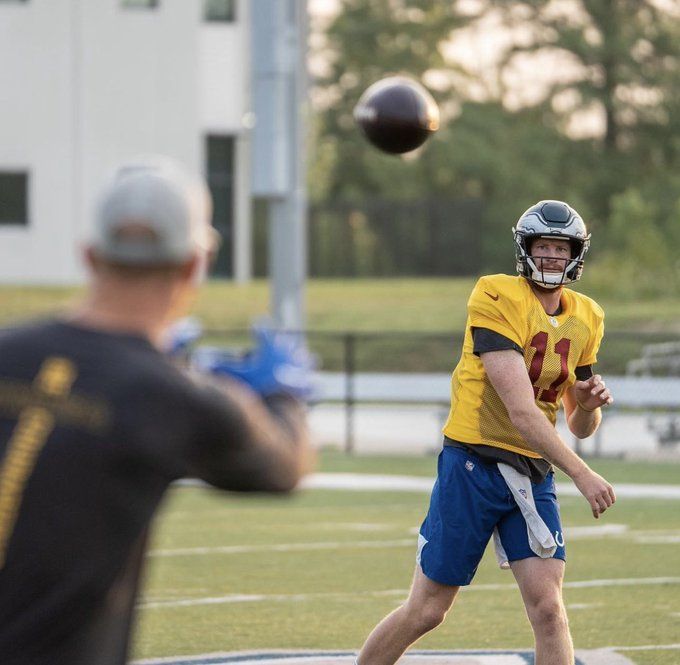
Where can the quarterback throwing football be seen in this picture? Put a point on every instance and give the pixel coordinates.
(530, 345)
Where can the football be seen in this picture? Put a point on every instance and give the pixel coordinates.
(397, 114)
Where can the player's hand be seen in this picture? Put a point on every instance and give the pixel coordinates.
(593, 393)
(597, 491)
(279, 363)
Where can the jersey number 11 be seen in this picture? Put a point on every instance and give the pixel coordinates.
(540, 343)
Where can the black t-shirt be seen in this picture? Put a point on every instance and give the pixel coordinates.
(93, 428)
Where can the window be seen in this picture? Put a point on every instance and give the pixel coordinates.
(220, 168)
(219, 10)
(13, 198)
(139, 4)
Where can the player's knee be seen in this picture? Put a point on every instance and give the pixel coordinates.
(428, 617)
(548, 615)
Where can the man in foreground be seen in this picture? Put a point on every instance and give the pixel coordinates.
(529, 346)
(95, 423)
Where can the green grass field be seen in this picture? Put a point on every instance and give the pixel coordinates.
(416, 308)
(407, 304)
(320, 568)
(343, 559)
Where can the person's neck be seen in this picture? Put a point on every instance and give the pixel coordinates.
(135, 312)
(549, 298)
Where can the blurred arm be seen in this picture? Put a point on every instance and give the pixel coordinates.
(251, 443)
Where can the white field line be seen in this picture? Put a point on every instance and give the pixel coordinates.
(601, 656)
(254, 597)
(647, 647)
(369, 482)
(289, 547)
(250, 598)
(657, 540)
(572, 533)
(374, 482)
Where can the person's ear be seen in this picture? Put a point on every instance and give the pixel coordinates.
(196, 268)
(89, 258)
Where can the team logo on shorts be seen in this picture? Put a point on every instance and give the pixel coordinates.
(469, 465)
(559, 538)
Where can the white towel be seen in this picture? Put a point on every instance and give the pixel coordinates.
(541, 540)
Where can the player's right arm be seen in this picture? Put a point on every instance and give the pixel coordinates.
(248, 443)
(508, 375)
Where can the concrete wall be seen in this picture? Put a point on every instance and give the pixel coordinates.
(85, 84)
(224, 70)
(36, 132)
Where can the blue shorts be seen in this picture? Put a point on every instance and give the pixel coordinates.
(469, 500)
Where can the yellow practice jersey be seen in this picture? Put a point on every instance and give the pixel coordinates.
(553, 346)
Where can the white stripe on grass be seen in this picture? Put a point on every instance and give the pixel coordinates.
(571, 533)
(375, 482)
(289, 547)
(252, 598)
(379, 482)
(463, 657)
(649, 647)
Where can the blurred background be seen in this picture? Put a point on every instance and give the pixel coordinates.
(371, 255)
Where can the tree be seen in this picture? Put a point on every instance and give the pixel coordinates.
(616, 60)
(620, 60)
(368, 40)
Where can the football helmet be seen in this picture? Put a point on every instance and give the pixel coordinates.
(550, 219)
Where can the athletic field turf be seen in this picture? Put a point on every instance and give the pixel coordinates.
(318, 569)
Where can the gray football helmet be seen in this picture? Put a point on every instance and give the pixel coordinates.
(551, 219)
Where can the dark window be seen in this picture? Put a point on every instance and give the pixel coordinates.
(14, 198)
(220, 167)
(219, 10)
(139, 4)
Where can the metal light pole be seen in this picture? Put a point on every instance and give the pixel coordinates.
(279, 48)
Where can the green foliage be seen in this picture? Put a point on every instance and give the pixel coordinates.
(509, 160)
(369, 40)
(641, 257)
(623, 60)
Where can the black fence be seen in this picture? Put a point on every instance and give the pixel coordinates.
(422, 352)
(345, 358)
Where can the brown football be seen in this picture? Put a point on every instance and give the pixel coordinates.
(397, 114)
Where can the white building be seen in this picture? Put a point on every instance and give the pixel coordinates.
(85, 84)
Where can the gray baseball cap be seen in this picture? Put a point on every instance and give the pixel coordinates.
(152, 213)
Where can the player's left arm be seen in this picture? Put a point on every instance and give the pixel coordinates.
(584, 400)
(582, 404)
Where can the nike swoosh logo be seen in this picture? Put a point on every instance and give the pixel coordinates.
(490, 296)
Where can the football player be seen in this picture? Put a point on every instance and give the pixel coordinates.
(530, 346)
